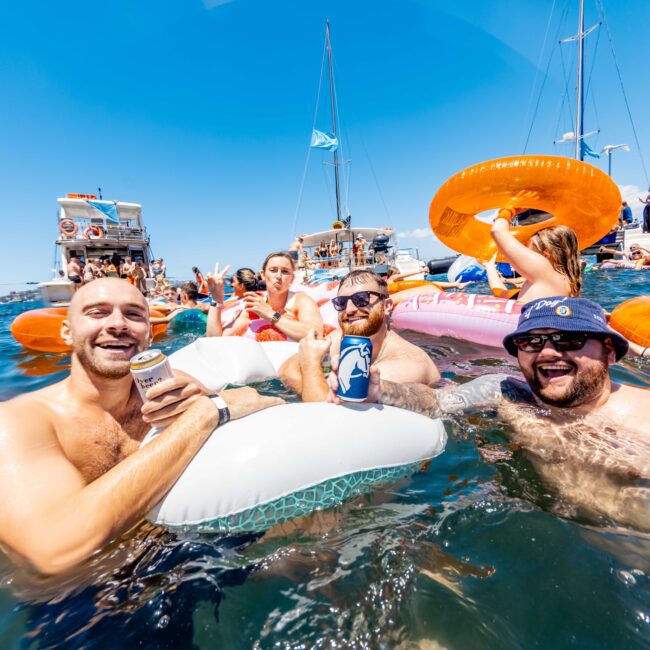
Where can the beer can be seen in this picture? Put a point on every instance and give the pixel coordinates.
(148, 369)
(354, 368)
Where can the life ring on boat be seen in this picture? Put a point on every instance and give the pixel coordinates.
(632, 319)
(289, 460)
(94, 230)
(68, 228)
(475, 318)
(40, 329)
(576, 193)
(338, 225)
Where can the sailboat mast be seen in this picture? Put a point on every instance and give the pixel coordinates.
(580, 85)
(333, 103)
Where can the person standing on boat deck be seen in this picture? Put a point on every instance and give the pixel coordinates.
(359, 249)
(74, 271)
(587, 437)
(363, 305)
(550, 263)
(292, 313)
(295, 249)
(646, 212)
(201, 284)
(73, 476)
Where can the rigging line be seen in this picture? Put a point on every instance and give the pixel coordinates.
(541, 90)
(566, 87)
(539, 64)
(589, 90)
(346, 188)
(304, 171)
(601, 10)
(374, 176)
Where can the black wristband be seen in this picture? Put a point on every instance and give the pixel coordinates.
(220, 403)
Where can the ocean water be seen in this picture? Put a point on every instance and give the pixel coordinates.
(472, 553)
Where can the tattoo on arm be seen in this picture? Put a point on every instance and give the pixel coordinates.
(482, 393)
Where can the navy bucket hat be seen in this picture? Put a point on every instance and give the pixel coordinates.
(566, 315)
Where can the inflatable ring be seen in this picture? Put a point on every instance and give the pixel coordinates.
(403, 285)
(40, 329)
(93, 230)
(68, 228)
(338, 225)
(632, 319)
(576, 193)
(289, 460)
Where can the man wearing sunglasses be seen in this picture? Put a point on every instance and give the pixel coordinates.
(588, 437)
(363, 307)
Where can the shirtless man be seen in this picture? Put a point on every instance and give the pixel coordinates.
(588, 437)
(190, 296)
(364, 309)
(74, 271)
(636, 258)
(72, 475)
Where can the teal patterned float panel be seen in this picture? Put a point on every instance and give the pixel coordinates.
(324, 495)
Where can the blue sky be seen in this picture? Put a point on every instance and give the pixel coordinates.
(202, 112)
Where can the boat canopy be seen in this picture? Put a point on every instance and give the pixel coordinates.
(344, 235)
(81, 209)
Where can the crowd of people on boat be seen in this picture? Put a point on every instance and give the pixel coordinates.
(78, 476)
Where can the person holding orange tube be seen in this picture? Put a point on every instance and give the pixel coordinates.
(550, 263)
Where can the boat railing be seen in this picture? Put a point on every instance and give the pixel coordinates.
(124, 231)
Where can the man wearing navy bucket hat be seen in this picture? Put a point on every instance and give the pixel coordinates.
(587, 436)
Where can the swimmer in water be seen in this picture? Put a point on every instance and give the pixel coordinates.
(550, 263)
(363, 306)
(73, 476)
(588, 437)
(292, 313)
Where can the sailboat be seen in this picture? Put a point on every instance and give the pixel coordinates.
(379, 244)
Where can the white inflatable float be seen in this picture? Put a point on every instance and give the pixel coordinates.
(289, 460)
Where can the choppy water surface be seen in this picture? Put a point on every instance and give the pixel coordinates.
(469, 554)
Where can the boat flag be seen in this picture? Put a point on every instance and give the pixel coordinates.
(587, 150)
(320, 140)
(107, 208)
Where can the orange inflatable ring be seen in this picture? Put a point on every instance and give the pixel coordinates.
(632, 319)
(94, 230)
(68, 228)
(40, 329)
(576, 193)
(403, 285)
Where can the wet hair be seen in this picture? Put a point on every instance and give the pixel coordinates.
(359, 276)
(191, 290)
(559, 245)
(248, 278)
(284, 254)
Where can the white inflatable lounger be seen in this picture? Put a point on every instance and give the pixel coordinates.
(288, 460)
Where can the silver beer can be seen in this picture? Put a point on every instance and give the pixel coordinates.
(148, 369)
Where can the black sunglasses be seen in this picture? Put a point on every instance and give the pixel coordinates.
(561, 341)
(359, 299)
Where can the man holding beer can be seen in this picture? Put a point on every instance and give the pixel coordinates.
(363, 305)
(74, 475)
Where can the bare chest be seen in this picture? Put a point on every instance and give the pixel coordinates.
(95, 445)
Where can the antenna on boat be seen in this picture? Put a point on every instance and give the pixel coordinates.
(333, 106)
(99, 191)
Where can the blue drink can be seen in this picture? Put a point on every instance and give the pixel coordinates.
(354, 368)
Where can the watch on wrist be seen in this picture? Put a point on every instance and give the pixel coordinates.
(214, 303)
(220, 403)
(276, 317)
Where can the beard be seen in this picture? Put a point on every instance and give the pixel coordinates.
(585, 386)
(105, 368)
(367, 327)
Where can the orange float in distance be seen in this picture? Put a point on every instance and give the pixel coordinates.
(576, 193)
(403, 285)
(40, 329)
(632, 319)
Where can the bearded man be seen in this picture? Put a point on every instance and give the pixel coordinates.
(363, 305)
(587, 436)
(72, 473)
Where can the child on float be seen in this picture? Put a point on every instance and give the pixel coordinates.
(549, 264)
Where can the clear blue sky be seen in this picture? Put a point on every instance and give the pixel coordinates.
(202, 111)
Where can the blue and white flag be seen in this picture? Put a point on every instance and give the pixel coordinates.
(321, 140)
(107, 208)
(587, 150)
